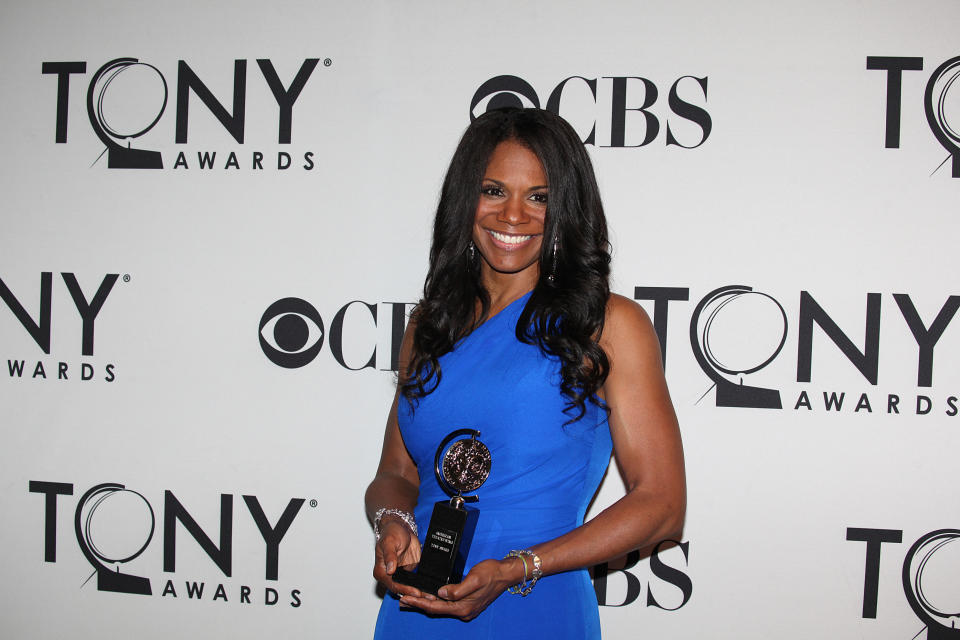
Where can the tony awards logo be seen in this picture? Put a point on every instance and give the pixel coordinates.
(734, 332)
(929, 582)
(462, 463)
(139, 84)
(99, 512)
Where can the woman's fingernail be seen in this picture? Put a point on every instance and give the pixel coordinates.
(442, 593)
(390, 567)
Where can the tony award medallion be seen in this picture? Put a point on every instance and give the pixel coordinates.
(462, 464)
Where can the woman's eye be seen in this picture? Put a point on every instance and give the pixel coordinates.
(540, 197)
(492, 191)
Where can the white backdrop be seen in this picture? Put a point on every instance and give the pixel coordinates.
(800, 519)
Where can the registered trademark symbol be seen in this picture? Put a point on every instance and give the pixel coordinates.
(126, 277)
(327, 62)
(313, 503)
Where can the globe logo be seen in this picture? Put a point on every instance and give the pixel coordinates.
(734, 332)
(930, 573)
(114, 525)
(125, 100)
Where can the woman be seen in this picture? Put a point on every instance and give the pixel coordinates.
(518, 337)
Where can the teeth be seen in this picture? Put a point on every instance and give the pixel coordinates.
(507, 239)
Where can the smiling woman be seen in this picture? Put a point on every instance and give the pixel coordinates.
(508, 229)
(517, 339)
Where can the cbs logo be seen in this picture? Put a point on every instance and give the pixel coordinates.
(624, 108)
(292, 333)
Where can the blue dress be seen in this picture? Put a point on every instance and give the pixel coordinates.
(542, 477)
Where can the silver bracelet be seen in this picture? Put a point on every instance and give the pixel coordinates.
(525, 587)
(406, 516)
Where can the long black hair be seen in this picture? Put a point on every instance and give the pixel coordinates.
(564, 317)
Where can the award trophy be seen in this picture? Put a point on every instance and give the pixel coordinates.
(460, 465)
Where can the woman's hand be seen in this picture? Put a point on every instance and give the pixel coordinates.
(397, 547)
(395, 486)
(485, 582)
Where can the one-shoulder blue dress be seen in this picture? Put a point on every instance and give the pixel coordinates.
(543, 475)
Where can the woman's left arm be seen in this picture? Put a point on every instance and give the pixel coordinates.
(648, 451)
(646, 445)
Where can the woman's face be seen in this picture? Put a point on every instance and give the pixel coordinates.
(508, 228)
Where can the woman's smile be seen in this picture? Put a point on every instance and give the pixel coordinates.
(509, 241)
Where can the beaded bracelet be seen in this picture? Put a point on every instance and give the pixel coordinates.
(525, 587)
(403, 515)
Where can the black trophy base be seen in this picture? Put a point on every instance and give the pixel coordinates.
(122, 583)
(126, 158)
(445, 548)
(409, 575)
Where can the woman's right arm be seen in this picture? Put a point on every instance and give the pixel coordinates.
(395, 486)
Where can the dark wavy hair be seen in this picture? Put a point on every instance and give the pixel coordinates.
(564, 317)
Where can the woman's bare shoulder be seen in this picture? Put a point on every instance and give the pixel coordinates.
(627, 327)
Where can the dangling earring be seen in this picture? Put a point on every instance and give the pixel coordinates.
(553, 267)
(473, 252)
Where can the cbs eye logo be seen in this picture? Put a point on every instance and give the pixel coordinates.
(291, 333)
(734, 332)
(505, 91)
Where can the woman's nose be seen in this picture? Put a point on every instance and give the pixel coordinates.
(513, 212)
